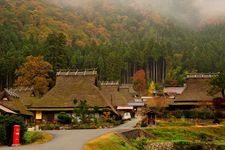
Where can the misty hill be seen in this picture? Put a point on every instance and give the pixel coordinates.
(86, 22)
(117, 36)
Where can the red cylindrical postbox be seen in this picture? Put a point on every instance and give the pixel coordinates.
(16, 135)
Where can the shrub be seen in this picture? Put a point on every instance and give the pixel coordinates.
(31, 137)
(7, 122)
(140, 143)
(2, 134)
(49, 126)
(219, 114)
(194, 113)
(64, 118)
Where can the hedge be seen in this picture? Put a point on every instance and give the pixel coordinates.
(194, 113)
(6, 128)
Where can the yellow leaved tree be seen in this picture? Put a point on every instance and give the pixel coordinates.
(34, 73)
(151, 88)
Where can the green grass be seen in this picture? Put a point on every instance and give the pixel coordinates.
(108, 142)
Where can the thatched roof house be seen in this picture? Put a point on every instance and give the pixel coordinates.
(157, 102)
(195, 92)
(26, 95)
(127, 91)
(12, 101)
(69, 89)
(111, 92)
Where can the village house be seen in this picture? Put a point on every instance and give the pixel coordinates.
(195, 93)
(127, 91)
(111, 92)
(26, 95)
(172, 92)
(70, 88)
(131, 95)
(5, 110)
(10, 103)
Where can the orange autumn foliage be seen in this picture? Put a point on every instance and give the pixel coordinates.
(34, 73)
(139, 81)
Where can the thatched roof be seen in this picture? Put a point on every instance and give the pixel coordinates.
(158, 102)
(201, 75)
(111, 93)
(6, 110)
(13, 102)
(196, 90)
(70, 88)
(90, 74)
(25, 94)
(127, 91)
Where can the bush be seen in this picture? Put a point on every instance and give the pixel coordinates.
(6, 128)
(64, 118)
(194, 113)
(49, 126)
(140, 143)
(2, 134)
(219, 114)
(206, 114)
(31, 137)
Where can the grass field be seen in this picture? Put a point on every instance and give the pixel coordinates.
(183, 132)
(110, 141)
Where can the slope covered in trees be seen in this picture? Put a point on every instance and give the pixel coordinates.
(118, 37)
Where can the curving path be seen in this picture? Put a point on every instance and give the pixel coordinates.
(72, 139)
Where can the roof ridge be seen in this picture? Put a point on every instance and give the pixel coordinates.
(76, 72)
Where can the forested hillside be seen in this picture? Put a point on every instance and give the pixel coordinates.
(118, 37)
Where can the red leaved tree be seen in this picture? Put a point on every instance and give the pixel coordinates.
(139, 81)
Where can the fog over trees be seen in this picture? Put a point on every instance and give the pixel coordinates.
(166, 38)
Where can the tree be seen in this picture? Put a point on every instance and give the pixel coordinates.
(82, 111)
(56, 50)
(34, 73)
(139, 81)
(151, 88)
(218, 84)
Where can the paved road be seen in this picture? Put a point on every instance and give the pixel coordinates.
(72, 139)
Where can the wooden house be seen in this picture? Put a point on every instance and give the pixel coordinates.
(5, 110)
(70, 88)
(127, 91)
(26, 95)
(111, 92)
(195, 94)
(10, 102)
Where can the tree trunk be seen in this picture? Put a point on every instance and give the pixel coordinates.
(147, 71)
(153, 70)
(222, 92)
(156, 71)
(128, 73)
